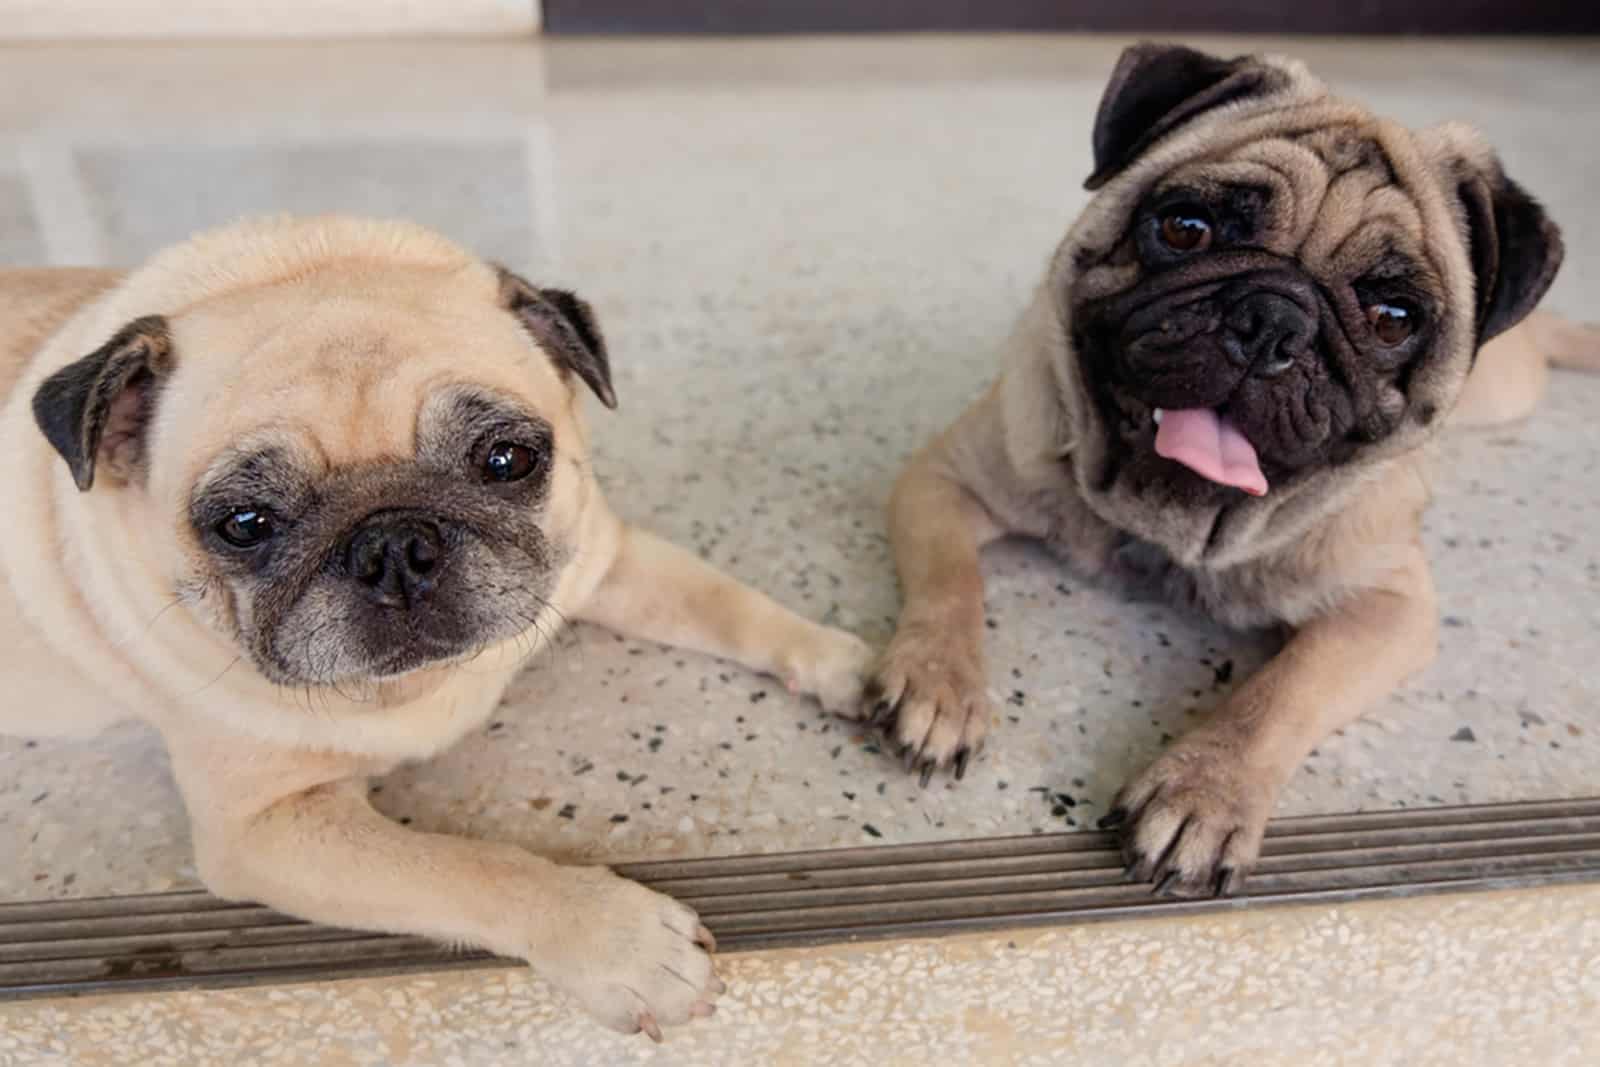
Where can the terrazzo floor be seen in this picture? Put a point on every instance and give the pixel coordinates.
(1482, 980)
(804, 254)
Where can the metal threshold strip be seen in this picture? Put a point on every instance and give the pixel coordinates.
(191, 939)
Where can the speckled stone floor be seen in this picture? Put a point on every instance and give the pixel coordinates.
(804, 254)
(1483, 980)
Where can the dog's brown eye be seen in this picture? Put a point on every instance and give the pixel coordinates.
(507, 462)
(1186, 230)
(245, 528)
(1392, 324)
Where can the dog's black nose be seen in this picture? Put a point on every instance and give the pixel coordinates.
(395, 557)
(1267, 332)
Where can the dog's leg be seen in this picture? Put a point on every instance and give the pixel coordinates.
(931, 687)
(1512, 370)
(1565, 343)
(1193, 821)
(291, 829)
(1506, 381)
(657, 591)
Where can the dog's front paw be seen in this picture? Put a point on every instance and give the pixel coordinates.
(1192, 823)
(635, 959)
(930, 695)
(832, 666)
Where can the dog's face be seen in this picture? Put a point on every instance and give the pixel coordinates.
(367, 472)
(1273, 282)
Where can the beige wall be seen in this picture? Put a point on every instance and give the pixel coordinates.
(48, 19)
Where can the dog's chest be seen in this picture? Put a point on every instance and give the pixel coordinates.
(1233, 596)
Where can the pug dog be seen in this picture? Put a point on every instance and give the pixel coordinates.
(304, 495)
(1220, 394)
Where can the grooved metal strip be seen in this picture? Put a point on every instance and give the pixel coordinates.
(191, 939)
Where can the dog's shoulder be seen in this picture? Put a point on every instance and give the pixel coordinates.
(1013, 447)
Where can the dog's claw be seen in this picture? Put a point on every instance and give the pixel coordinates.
(651, 1028)
(961, 763)
(880, 712)
(1113, 819)
(1166, 882)
(927, 773)
(890, 719)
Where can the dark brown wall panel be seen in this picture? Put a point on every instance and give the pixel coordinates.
(1124, 16)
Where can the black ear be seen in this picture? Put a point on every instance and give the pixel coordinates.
(1156, 88)
(564, 327)
(1515, 249)
(99, 407)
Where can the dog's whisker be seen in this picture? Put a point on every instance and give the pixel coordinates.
(220, 675)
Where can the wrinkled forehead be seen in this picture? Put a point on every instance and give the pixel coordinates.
(1342, 199)
(284, 457)
(344, 382)
(351, 375)
(1352, 198)
(1323, 170)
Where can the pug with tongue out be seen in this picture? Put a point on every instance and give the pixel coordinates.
(1219, 391)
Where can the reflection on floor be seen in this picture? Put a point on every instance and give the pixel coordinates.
(804, 254)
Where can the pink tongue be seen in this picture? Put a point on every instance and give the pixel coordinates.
(1211, 447)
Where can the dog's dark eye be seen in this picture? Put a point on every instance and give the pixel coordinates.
(1186, 230)
(1392, 323)
(508, 462)
(245, 528)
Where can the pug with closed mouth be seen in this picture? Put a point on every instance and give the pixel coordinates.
(304, 495)
(1219, 393)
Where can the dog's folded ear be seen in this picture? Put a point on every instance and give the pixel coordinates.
(95, 411)
(564, 326)
(1156, 88)
(1516, 250)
